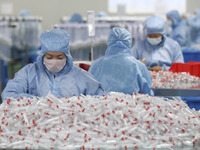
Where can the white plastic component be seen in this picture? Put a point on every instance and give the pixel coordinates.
(91, 23)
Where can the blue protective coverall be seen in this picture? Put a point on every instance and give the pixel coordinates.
(164, 54)
(118, 71)
(35, 80)
(194, 24)
(180, 30)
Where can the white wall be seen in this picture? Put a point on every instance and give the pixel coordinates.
(192, 5)
(53, 10)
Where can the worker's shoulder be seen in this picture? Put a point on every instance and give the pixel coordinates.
(98, 59)
(81, 73)
(79, 70)
(170, 42)
(30, 67)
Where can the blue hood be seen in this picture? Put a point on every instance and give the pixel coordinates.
(55, 40)
(155, 24)
(197, 11)
(24, 13)
(175, 16)
(119, 41)
(76, 18)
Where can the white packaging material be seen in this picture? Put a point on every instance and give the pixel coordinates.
(91, 23)
(115, 121)
(168, 79)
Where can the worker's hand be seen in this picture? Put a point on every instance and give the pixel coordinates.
(184, 16)
(156, 68)
(142, 60)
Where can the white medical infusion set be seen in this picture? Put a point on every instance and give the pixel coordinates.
(91, 29)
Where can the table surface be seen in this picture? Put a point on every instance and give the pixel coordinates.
(188, 92)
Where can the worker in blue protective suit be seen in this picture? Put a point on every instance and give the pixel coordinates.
(101, 14)
(24, 13)
(180, 31)
(194, 24)
(53, 72)
(158, 51)
(76, 18)
(118, 71)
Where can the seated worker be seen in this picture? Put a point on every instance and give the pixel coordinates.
(118, 71)
(52, 73)
(159, 51)
(180, 31)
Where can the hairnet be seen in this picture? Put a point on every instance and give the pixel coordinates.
(55, 40)
(155, 24)
(120, 34)
(76, 18)
(119, 41)
(175, 16)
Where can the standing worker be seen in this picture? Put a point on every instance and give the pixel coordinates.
(52, 73)
(159, 51)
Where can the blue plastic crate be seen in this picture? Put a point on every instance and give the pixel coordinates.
(191, 54)
(193, 102)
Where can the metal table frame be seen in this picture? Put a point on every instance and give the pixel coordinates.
(176, 92)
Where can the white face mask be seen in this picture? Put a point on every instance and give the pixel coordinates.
(54, 65)
(169, 23)
(154, 41)
(168, 30)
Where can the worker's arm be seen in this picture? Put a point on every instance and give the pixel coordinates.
(18, 86)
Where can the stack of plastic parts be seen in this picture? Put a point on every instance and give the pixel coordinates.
(31, 29)
(5, 48)
(80, 42)
(79, 32)
(194, 69)
(81, 52)
(26, 35)
(168, 79)
(135, 25)
(5, 40)
(191, 67)
(19, 44)
(19, 34)
(115, 121)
